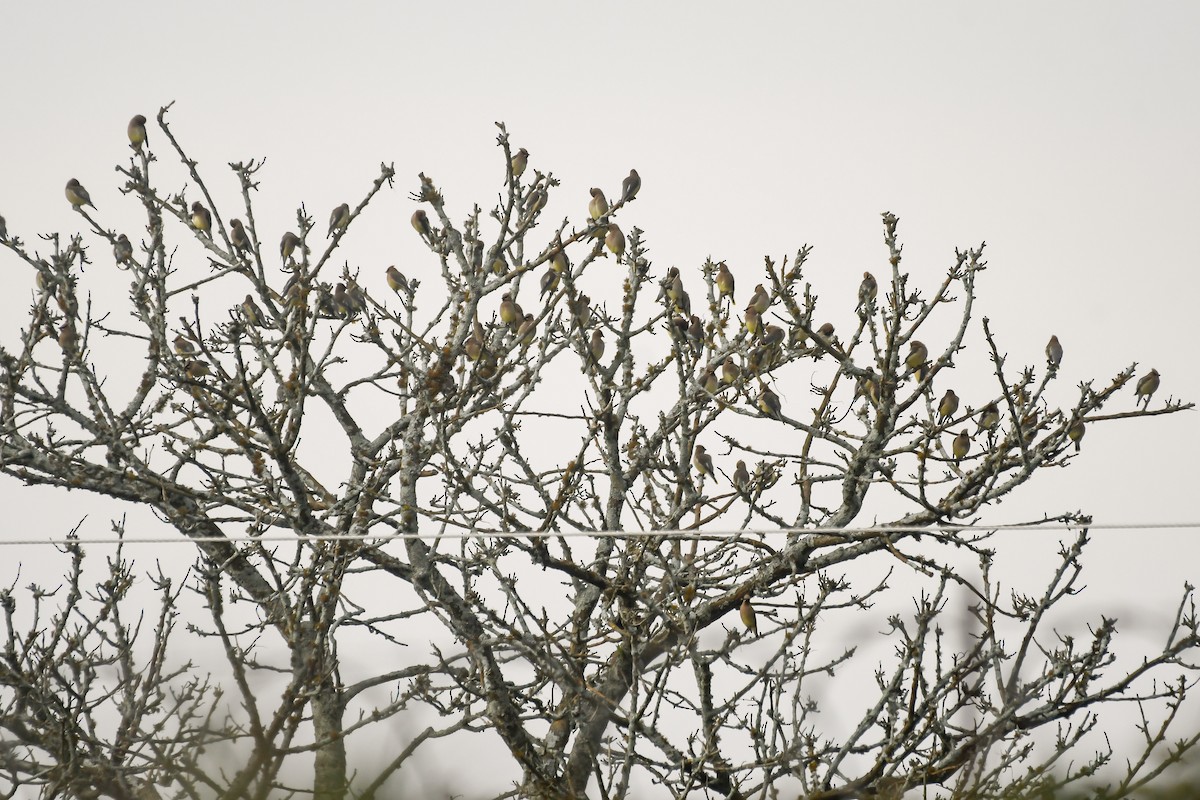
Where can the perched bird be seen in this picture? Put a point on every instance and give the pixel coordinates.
(420, 223)
(196, 370)
(396, 281)
(558, 261)
(730, 371)
(550, 282)
(989, 417)
(725, 281)
(343, 306)
(772, 335)
(536, 201)
(477, 257)
(960, 446)
(183, 346)
(684, 304)
(753, 321)
(508, 309)
(123, 250)
(695, 334)
(519, 162)
(580, 308)
(708, 382)
(473, 347)
(237, 236)
(252, 313)
(702, 461)
(596, 346)
(615, 240)
(868, 387)
(201, 218)
(527, 331)
(598, 206)
(1147, 386)
(918, 354)
(826, 331)
(1075, 432)
(741, 478)
(339, 219)
(358, 300)
(287, 245)
(1054, 352)
(137, 132)
(749, 618)
(499, 265)
(78, 196)
(67, 337)
(673, 286)
(768, 402)
(760, 301)
(631, 185)
(948, 406)
(868, 290)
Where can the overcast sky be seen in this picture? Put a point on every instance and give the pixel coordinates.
(1065, 135)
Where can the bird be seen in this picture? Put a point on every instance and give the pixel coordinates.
(473, 347)
(527, 331)
(826, 330)
(420, 223)
(508, 309)
(708, 382)
(1054, 352)
(519, 161)
(339, 219)
(753, 321)
(123, 250)
(868, 386)
(947, 406)
(67, 337)
(499, 265)
(287, 245)
(960, 446)
(1075, 432)
(918, 354)
(749, 618)
(237, 235)
(631, 185)
(558, 261)
(477, 257)
(695, 334)
(760, 301)
(989, 417)
(1147, 386)
(596, 346)
(78, 196)
(201, 218)
(703, 461)
(183, 346)
(868, 290)
(252, 313)
(343, 306)
(550, 282)
(741, 477)
(137, 132)
(536, 201)
(615, 240)
(772, 335)
(768, 401)
(580, 308)
(396, 281)
(598, 206)
(673, 285)
(196, 370)
(730, 371)
(725, 281)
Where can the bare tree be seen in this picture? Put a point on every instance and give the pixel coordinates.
(547, 479)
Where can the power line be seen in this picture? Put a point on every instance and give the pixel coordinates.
(687, 535)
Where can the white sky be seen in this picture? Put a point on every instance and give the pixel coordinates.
(1064, 136)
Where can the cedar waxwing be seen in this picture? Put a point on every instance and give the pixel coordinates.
(631, 185)
(960, 446)
(527, 331)
(536, 201)
(1054, 352)
(339, 219)
(760, 301)
(695, 334)
(749, 619)
(237, 236)
(397, 282)
(772, 336)
(78, 196)
(615, 240)
(196, 370)
(477, 257)
(768, 402)
(708, 382)
(725, 281)
(673, 286)
(684, 304)
(989, 417)
(252, 313)
(137, 132)
(558, 261)
(581, 312)
(343, 306)
(868, 290)
(703, 461)
(1029, 424)
(473, 347)
(1075, 432)
(201, 218)
(868, 387)
(420, 223)
(67, 338)
(499, 266)
(123, 250)
(596, 346)
(598, 206)
(753, 321)
(948, 406)
(183, 346)
(730, 371)
(1147, 386)
(741, 478)
(519, 162)
(918, 354)
(358, 300)
(508, 309)
(826, 330)
(288, 245)
(549, 282)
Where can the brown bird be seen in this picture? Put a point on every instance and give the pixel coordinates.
(1075, 432)
(288, 245)
(826, 331)
(550, 282)
(741, 478)
(760, 301)
(598, 206)
(960, 446)
(695, 334)
(868, 387)
(631, 185)
(196, 370)
(137, 132)
(868, 290)
(252, 313)
(708, 382)
(237, 236)
(989, 417)
(396, 281)
(1054, 352)
(753, 321)
(183, 346)
(730, 371)
(536, 201)
(769, 403)
(339, 219)
(948, 406)
(918, 354)
(123, 250)
(725, 281)
(420, 223)
(519, 162)
(703, 461)
(201, 218)
(499, 265)
(1147, 386)
(772, 335)
(558, 261)
(615, 240)
(596, 346)
(508, 309)
(78, 196)
(68, 339)
(473, 347)
(749, 618)
(527, 331)
(581, 311)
